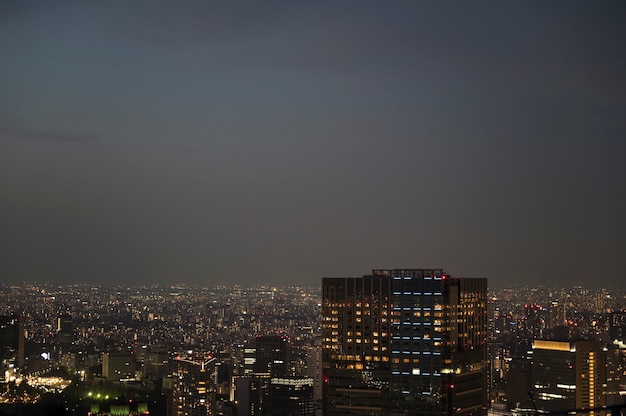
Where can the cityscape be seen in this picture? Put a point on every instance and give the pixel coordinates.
(396, 341)
(312, 208)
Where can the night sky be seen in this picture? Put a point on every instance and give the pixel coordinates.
(281, 142)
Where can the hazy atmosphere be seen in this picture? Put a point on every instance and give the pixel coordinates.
(280, 142)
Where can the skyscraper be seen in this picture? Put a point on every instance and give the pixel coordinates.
(314, 367)
(569, 375)
(272, 354)
(64, 331)
(405, 342)
(11, 343)
(118, 365)
(291, 396)
(193, 392)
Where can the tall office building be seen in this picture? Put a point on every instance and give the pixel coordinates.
(118, 366)
(617, 326)
(250, 393)
(64, 330)
(193, 387)
(291, 396)
(535, 322)
(272, 354)
(314, 367)
(264, 354)
(11, 343)
(405, 342)
(569, 375)
(156, 363)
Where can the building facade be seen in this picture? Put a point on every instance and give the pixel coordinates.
(193, 387)
(272, 354)
(291, 396)
(405, 342)
(118, 366)
(250, 393)
(569, 375)
(314, 368)
(11, 343)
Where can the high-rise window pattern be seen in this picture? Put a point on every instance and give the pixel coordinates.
(399, 341)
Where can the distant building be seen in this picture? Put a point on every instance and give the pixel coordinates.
(118, 366)
(314, 367)
(156, 364)
(272, 355)
(615, 373)
(405, 342)
(557, 316)
(535, 322)
(64, 323)
(64, 331)
(250, 393)
(617, 326)
(569, 375)
(245, 358)
(519, 383)
(11, 342)
(292, 396)
(193, 388)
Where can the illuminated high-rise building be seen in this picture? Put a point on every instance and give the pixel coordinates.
(156, 363)
(250, 393)
(64, 330)
(264, 354)
(569, 375)
(11, 342)
(272, 354)
(405, 342)
(617, 326)
(193, 387)
(291, 396)
(535, 322)
(314, 367)
(118, 366)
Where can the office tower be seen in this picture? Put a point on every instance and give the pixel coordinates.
(519, 384)
(223, 373)
(405, 342)
(569, 375)
(250, 393)
(617, 326)
(64, 330)
(291, 396)
(535, 321)
(118, 366)
(11, 343)
(193, 387)
(615, 373)
(64, 323)
(264, 354)
(557, 315)
(314, 367)
(156, 363)
(245, 358)
(272, 354)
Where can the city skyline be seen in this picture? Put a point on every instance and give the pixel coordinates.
(280, 143)
(120, 342)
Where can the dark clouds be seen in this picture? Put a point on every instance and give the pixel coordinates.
(281, 142)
